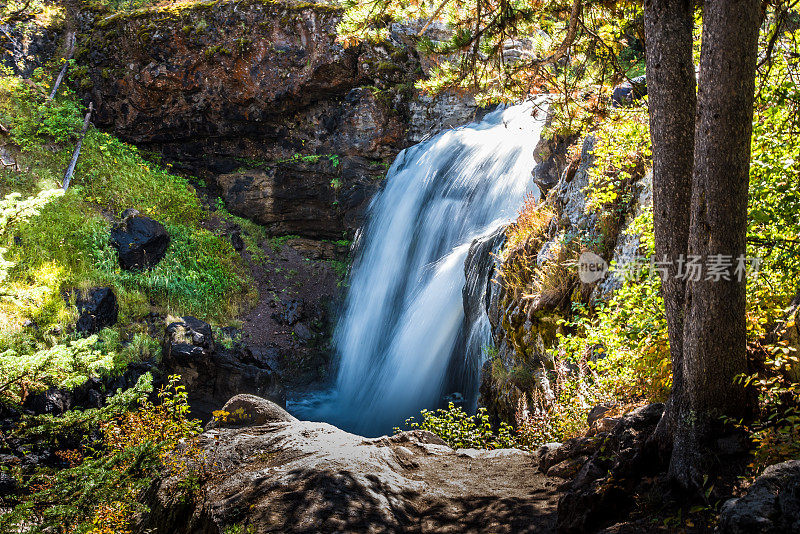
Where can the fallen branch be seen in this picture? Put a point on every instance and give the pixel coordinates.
(70, 52)
(433, 17)
(74, 161)
(14, 165)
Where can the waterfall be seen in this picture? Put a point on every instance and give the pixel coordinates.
(403, 317)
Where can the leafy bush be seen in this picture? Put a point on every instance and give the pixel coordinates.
(64, 365)
(463, 431)
(98, 492)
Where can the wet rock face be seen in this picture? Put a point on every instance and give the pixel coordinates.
(523, 329)
(299, 476)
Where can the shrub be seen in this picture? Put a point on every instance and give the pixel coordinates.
(463, 431)
(98, 493)
(64, 365)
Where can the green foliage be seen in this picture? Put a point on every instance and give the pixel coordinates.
(622, 148)
(64, 365)
(476, 57)
(776, 433)
(314, 158)
(773, 226)
(206, 285)
(53, 242)
(463, 431)
(97, 493)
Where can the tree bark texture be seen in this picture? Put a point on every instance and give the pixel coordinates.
(714, 340)
(672, 101)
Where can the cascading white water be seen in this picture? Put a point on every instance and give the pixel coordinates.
(403, 314)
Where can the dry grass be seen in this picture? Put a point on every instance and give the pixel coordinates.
(532, 222)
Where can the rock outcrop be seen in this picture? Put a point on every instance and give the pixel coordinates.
(606, 468)
(523, 329)
(298, 476)
(26, 44)
(770, 506)
(259, 99)
(211, 373)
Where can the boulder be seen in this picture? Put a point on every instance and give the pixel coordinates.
(552, 454)
(629, 92)
(600, 493)
(249, 410)
(140, 242)
(212, 374)
(187, 339)
(300, 476)
(97, 309)
(770, 506)
(290, 312)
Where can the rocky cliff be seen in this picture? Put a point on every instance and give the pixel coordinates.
(260, 100)
(536, 278)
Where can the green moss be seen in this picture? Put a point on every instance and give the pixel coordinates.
(215, 50)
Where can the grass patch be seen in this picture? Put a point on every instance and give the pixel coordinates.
(53, 242)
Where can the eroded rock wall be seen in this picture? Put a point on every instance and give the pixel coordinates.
(525, 323)
(258, 98)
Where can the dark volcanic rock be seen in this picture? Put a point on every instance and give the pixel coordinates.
(8, 484)
(551, 159)
(771, 505)
(307, 477)
(213, 375)
(140, 242)
(97, 309)
(260, 100)
(25, 47)
(291, 312)
(600, 493)
(629, 92)
(51, 402)
(187, 339)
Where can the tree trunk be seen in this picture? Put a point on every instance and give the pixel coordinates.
(672, 100)
(714, 340)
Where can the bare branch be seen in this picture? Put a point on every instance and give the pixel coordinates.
(74, 161)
